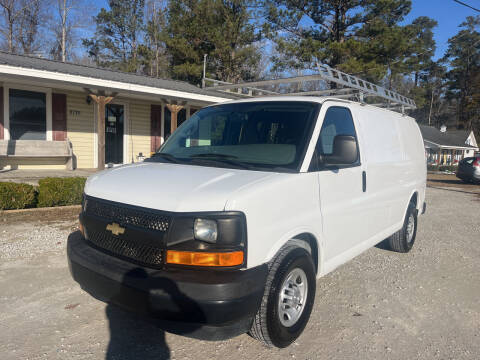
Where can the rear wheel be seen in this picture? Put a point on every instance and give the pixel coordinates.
(288, 298)
(402, 241)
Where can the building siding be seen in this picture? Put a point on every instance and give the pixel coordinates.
(80, 128)
(139, 130)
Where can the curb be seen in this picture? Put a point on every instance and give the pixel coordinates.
(43, 209)
(41, 214)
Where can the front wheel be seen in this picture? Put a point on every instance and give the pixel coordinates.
(288, 298)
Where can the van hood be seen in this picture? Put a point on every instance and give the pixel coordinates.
(171, 187)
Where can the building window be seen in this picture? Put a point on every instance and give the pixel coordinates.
(28, 115)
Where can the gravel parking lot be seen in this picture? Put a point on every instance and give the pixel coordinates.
(381, 305)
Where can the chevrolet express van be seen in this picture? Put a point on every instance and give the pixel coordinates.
(227, 227)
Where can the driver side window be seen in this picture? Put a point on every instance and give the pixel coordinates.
(338, 121)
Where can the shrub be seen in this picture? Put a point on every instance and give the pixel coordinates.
(17, 196)
(60, 191)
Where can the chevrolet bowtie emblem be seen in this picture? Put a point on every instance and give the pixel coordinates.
(115, 229)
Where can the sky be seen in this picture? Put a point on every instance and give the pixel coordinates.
(448, 14)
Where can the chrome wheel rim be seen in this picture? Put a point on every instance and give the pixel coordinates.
(410, 228)
(292, 298)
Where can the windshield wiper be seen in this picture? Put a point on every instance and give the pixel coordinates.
(165, 156)
(221, 159)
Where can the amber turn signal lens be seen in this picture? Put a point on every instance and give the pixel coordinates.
(194, 258)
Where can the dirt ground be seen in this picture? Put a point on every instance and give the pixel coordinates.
(381, 305)
(452, 182)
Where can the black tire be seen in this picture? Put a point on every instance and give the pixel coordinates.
(267, 326)
(399, 241)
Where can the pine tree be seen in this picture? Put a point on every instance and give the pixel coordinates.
(463, 57)
(362, 37)
(118, 35)
(220, 29)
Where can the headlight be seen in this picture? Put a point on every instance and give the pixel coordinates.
(205, 230)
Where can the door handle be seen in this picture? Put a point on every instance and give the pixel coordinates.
(364, 181)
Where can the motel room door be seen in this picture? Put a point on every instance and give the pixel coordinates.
(114, 124)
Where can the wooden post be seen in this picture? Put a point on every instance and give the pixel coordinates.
(101, 101)
(174, 110)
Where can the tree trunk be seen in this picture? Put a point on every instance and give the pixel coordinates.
(10, 34)
(156, 61)
(430, 112)
(64, 31)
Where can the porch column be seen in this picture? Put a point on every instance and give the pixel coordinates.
(174, 110)
(101, 101)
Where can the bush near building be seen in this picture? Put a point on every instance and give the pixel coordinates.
(60, 191)
(17, 196)
(49, 192)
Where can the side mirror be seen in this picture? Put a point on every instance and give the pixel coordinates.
(345, 151)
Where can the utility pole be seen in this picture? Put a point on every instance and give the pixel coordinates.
(204, 70)
(431, 105)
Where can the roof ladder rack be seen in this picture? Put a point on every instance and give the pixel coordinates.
(350, 87)
(364, 87)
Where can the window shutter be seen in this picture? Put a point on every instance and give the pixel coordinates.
(59, 117)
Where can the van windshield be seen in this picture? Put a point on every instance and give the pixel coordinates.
(257, 135)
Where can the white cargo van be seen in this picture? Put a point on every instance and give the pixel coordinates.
(227, 227)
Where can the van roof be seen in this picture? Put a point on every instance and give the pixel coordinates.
(316, 99)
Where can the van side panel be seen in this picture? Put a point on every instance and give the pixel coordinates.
(414, 153)
(395, 166)
(384, 163)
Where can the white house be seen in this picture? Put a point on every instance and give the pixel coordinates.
(447, 147)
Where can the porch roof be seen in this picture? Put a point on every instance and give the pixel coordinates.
(77, 77)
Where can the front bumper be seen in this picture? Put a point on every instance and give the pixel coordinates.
(205, 304)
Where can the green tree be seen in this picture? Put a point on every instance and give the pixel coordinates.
(118, 35)
(463, 58)
(429, 95)
(422, 47)
(357, 36)
(339, 33)
(221, 29)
